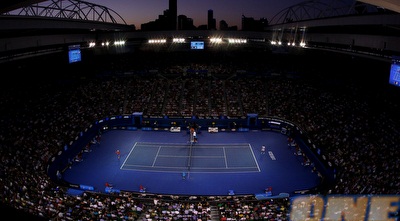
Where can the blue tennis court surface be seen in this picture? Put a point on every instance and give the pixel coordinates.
(191, 158)
(218, 162)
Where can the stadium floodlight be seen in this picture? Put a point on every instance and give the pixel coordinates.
(105, 43)
(216, 40)
(119, 42)
(237, 41)
(178, 40)
(157, 41)
(276, 42)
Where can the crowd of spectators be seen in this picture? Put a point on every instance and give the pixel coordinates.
(39, 119)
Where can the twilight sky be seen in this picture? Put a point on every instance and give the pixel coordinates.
(138, 12)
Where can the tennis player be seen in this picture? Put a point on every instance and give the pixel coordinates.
(118, 154)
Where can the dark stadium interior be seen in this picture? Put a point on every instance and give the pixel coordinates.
(334, 99)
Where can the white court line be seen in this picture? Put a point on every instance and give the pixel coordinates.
(162, 145)
(226, 161)
(182, 168)
(155, 158)
(127, 157)
(254, 158)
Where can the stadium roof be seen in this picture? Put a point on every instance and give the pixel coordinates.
(9, 5)
(393, 5)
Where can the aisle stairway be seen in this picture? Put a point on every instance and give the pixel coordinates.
(214, 213)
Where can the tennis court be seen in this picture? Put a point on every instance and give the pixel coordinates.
(189, 157)
(218, 162)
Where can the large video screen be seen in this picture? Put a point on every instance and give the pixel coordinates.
(394, 77)
(74, 54)
(197, 45)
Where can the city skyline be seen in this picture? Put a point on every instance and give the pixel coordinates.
(143, 11)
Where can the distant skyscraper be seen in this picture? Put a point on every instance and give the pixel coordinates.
(211, 22)
(185, 23)
(173, 13)
(250, 24)
(166, 21)
(223, 25)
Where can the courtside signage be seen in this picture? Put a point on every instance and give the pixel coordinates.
(345, 208)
